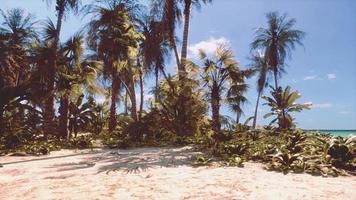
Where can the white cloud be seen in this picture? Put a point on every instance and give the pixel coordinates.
(322, 105)
(331, 76)
(100, 99)
(345, 112)
(308, 103)
(318, 105)
(313, 77)
(209, 46)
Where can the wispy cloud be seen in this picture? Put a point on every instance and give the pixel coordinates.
(319, 105)
(209, 46)
(345, 112)
(313, 77)
(331, 76)
(322, 105)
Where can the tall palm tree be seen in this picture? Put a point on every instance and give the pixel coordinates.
(260, 65)
(170, 13)
(62, 8)
(188, 4)
(153, 48)
(277, 41)
(112, 36)
(221, 73)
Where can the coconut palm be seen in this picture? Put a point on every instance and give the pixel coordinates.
(112, 36)
(153, 48)
(277, 41)
(188, 4)
(282, 103)
(62, 8)
(170, 12)
(260, 65)
(221, 73)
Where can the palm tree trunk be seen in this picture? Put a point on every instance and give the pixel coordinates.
(174, 46)
(275, 79)
(215, 107)
(132, 96)
(115, 85)
(181, 67)
(237, 118)
(157, 84)
(126, 102)
(256, 108)
(49, 126)
(2, 124)
(63, 119)
(141, 95)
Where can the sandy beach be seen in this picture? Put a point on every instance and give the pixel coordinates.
(155, 173)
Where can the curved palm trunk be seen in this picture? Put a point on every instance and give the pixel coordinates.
(132, 96)
(181, 68)
(174, 46)
(256, 108)
(115, 85)
(63, 119)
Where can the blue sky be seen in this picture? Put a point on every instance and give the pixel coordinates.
(324, 71)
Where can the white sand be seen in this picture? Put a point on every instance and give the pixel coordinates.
(155, 173)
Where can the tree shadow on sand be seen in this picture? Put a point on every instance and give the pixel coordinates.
(142, 159)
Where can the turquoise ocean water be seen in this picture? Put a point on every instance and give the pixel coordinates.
(343, 133)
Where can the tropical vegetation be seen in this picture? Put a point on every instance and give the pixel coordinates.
(92, 88)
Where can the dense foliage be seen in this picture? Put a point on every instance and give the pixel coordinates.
(50, 89)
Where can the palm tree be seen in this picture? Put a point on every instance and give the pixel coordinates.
(170, 13)
(221, 73)
(260, 65)
(153, 48)
(277, 41)
(112, 36)
(81, 114)
(62, 8)
(282, 103)
(17, 32)
(188, 4)
(75, 74)
(236, 99)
